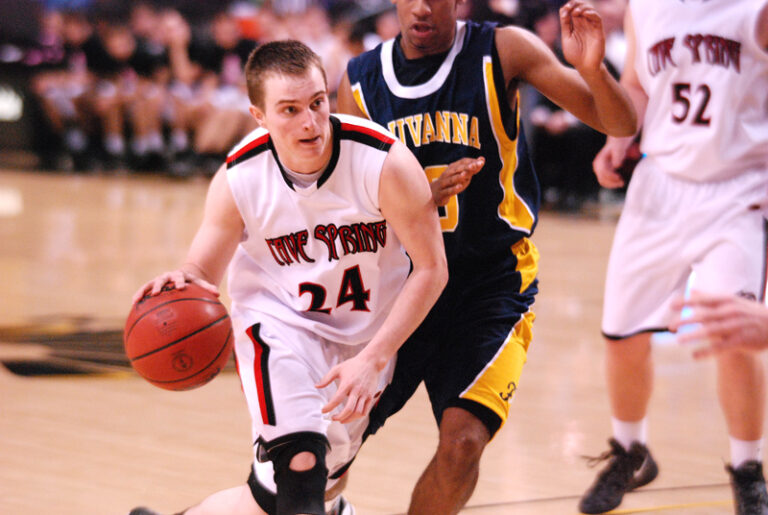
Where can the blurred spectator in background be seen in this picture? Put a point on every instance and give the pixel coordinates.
(59, 84)
(209, 97)
(158, 84)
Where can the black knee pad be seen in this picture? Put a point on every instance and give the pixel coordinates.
(298, 491)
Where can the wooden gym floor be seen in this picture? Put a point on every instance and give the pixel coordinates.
(81, 434)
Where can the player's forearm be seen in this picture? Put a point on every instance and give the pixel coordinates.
(614, 108)
(419, 294)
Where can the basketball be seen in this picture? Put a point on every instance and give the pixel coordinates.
(178, 339)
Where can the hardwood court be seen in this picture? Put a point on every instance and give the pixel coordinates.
(82, 434)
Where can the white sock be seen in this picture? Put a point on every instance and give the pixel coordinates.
(139, 145)
(114, 144)
(76, 140)
(745, 450)
(179, 140)
(627, 432)
(155, 142)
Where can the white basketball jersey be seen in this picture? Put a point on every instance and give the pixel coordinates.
(707, 82)
(320, 258)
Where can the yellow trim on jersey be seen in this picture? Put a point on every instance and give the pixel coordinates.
(357, 94)
(513, 208)
(527, 261)
(496, 384)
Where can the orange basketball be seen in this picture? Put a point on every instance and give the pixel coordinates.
(179, 339)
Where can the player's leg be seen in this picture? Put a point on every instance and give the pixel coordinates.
(483, 349)
(646, 269)
(629, 381)
(455, 467)
(301, 456)
(737, 265)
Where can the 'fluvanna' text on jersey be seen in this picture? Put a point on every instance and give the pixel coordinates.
(338, 240)
(438, 127)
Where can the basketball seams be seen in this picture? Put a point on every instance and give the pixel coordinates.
(204, 369)
(185, 299)
(189, 335)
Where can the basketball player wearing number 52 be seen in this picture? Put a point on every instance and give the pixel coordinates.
(697, 72)
(314, 215)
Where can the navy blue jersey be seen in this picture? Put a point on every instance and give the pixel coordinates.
(453, 106)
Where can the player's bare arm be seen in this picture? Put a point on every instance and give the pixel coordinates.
(588, 90)
(407, 205)
(213, 244)
(762, 27)
(612, 155)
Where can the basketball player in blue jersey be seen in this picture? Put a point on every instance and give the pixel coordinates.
(693, 219)
(328, 230)
(449, 90)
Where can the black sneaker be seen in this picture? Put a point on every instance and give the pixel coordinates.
(626, 470)
(748, 483)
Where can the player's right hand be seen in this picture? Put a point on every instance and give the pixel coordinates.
(177, 278)
(455, 179)
(609, 159)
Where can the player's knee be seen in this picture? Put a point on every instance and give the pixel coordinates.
(302, 461)
(300, 473)
(461, 450)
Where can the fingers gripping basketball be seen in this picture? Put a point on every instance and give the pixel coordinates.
(179, 339)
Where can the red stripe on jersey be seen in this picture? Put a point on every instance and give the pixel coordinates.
(250, 146)
(368, 131)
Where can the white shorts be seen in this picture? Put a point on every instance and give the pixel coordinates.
(670, 227)
(279, 366)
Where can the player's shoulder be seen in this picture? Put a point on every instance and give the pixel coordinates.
(251, 145)
(364, 131)
(365, 63)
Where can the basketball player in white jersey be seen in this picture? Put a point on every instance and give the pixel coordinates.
(314, 215)
(697, 72)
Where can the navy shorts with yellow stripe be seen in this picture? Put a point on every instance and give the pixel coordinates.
(471, 348)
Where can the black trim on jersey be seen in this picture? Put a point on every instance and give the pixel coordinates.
(487, 416)
(266, 386)
(253, 152)
(335, 136)
(616, 337)
(367, 139)
(342, 470)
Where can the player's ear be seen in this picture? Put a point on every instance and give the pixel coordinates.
(257, 113)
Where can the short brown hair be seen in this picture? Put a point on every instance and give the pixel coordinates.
(288, 57)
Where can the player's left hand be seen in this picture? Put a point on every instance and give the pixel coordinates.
(455, 178)
(357, 380)
(583, 37)
(726, 323)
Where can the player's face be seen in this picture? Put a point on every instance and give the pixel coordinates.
(296, 114)
(427, 26)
